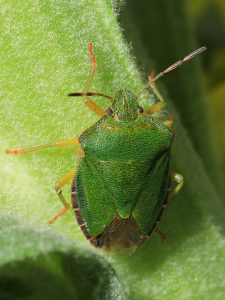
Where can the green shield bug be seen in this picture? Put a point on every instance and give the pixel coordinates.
(122, 183)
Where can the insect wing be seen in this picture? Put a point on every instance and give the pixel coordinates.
(153, 196)
(94, 201)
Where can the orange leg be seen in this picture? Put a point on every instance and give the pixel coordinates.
(60, 183)
(57, 144)
(93, 66)
(90, 104)
(94, 107)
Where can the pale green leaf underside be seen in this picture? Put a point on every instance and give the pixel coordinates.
(36, 263)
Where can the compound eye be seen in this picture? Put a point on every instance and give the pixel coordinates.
(140, 110)
(109, 111)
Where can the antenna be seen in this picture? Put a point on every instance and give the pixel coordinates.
(173, 67)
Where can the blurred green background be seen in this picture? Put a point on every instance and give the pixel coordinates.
(207, 20)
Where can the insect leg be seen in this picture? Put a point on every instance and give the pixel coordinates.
(51, 145)
(60, 183)
(155, 108)
(169, 121)
(160, 101)
(90, 104)
(154, 87)
(93, 66)
(160, 233)
(160, 104)
(94, 107)
(179, 180)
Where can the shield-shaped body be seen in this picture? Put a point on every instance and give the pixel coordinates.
(122, 181)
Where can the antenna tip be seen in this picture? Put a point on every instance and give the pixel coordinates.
(194, 53)
(200, 50)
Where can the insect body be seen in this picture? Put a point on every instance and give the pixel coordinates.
(126, 162)
(122, 183)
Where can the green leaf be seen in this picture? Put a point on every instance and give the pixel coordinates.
(218, 110)
(36, 263)
(44, 57)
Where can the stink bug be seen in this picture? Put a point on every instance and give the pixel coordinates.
(122, 183)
